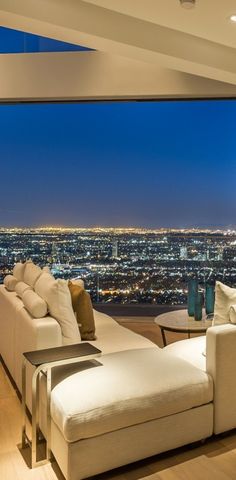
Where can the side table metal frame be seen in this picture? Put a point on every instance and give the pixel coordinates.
(187, 331)
(44, 369)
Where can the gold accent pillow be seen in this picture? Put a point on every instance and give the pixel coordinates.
(82, 306)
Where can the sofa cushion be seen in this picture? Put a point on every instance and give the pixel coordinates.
(192, 350)
(112, 337)
(82, 306)
(35, 305)
(18, 271)
(31, 273)
(21, 287)
(57, 296)
(130, 387)
(224, 297)
(232, 314)
(10, 282)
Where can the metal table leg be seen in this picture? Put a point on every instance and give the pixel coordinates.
(23, 433)
(163, 337)
(48, 439)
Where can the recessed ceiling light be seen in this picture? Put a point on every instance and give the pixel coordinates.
(233, 18)
(187, 3)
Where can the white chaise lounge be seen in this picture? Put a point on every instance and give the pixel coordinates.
(142, 400)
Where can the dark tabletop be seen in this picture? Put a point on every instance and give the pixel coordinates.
(38, 357)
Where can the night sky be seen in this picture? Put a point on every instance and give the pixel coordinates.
(150, 164)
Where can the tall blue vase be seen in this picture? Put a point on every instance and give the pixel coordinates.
(209, 299)
(198, 306)
(192, 293)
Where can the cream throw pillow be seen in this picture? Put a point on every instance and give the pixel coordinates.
(225, 297)
(18, 271)
(10, 282)
(31, 273)
(46, 269)
(35, 305)
(57, 295)
(21, 287)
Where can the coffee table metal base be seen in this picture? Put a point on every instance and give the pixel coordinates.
(178, 322)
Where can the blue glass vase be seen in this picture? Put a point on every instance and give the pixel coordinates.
(192, 292)
(198, 306)
(209, 299)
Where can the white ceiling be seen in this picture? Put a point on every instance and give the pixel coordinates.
(200, 42)
(209, 19)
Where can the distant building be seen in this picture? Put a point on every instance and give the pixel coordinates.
(54, 253)
(183, 253)
(229, 253)
(114, 249)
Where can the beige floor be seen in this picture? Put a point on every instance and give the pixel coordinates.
(215, 460)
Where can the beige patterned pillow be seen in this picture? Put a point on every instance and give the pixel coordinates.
(224, 297)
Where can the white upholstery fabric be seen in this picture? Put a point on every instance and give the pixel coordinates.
(57, 295)
(95, 455)
(220, 364)
(18, 271)
(33, 334)
(19, 333)
(21, 288)
(130, 387)
(10, 282)
(31, 273)
(192, 350)
(46, 269)
(232, 314)
(35, 305)
(224, 297)
(112, 337)
(9, 307)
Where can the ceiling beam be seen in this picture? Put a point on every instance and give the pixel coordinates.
(78, 22)
(97, 76)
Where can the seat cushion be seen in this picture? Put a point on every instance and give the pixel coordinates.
(130, 387)
(192, 350)
(112, 337)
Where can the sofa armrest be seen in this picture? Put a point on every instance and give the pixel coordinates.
(33, 334)
(220, 364)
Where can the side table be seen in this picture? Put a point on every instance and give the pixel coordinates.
(44, 361)
(178, 321)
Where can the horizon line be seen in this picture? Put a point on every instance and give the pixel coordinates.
(119, 228)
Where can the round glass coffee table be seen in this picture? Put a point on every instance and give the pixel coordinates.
(178, 321)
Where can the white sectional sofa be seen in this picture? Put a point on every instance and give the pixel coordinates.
(141, 401)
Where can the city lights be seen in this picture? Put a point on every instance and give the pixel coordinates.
(126, 265)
